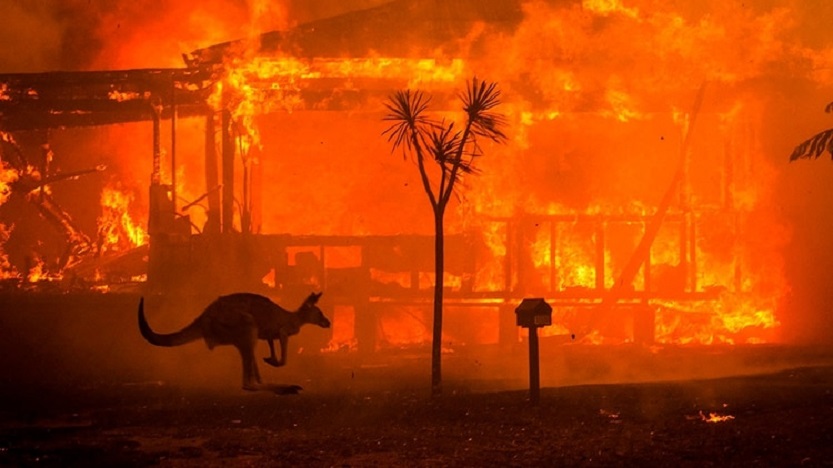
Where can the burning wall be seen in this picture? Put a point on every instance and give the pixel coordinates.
(601, 100)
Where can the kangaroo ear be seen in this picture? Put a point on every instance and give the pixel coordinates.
(313, 298)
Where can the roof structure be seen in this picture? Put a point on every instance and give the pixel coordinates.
(402, 28)
(30, 101)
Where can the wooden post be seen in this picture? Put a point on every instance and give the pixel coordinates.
(534, 368)
(155, 176)
(173, 145)
(228, 172)
(212, 176)
(531, 314)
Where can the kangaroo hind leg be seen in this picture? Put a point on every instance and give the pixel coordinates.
(251, 374)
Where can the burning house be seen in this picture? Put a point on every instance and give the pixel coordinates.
(632, 194)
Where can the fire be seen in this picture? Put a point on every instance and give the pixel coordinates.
(260, 85)
(117, 229)
(121, 96)
(6, 269)
(36, 272)
(7, 177)
(622, 104)
(598, 93)
(343, 338)
(607, 7)
(715, 417)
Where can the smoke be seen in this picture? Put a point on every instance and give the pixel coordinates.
(82, 35)
(35, 24)
(78, 35)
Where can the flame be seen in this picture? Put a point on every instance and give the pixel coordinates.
(403, 326)
(608, 7)
(117, 229)
(715, 417)
(262, 85)
(343, 338)
(622, 104)
(122, 96)
(39, 272)
(597, 96)
(7, 271)
(7, 177)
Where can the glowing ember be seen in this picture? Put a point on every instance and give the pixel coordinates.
(715, 417)
(125, 96)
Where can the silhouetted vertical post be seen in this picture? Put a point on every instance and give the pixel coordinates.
(228, 171)
(531, 314)
(155, 175)
(534, 368)
(173, 145)
(212, 176)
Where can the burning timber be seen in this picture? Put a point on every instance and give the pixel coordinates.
(676, 271)
(381, 272)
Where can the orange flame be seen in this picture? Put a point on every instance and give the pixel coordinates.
(117, 229)
(586, 88)
(715, 417)
(7, 271)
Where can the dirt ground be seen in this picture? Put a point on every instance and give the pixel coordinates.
(79, 387)
(776, 419)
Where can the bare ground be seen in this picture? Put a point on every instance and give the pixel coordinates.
(776, 419)
(79, 387)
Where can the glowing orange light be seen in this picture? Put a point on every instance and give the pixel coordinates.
(715, 417)
(117, 229)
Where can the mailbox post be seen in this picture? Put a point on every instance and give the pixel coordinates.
(532, 314)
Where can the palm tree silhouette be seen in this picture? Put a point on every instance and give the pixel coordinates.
(813, 147)
(454, 151)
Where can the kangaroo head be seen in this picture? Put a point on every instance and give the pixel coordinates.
(311, 313)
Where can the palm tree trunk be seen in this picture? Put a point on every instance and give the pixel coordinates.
(437, 337)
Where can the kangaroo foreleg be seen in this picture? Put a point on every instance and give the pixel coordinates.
(284, 341)
(272, 360)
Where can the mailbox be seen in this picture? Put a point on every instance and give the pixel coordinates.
(533, 313)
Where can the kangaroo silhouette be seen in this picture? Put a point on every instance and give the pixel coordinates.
(240, 320)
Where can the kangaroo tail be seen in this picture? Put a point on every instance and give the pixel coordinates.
(186, 335)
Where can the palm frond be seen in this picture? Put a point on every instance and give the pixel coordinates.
(479, 98)
(829, 108)
(814, 147)
(406, 110)
(444, 143)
